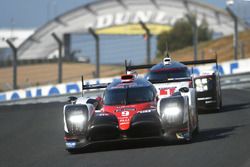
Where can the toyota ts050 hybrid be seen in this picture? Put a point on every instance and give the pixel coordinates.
(129, 109)
(168, 76)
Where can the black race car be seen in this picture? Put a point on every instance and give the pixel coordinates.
(208, 91)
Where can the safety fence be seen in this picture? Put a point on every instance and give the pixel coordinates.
(234, 74)
(238, 81)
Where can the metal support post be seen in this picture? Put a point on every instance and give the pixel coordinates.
(97, 40)
(147, 30)
(192, 20)
(195, 41)
(236, 37)
(60, 47)
(14, 64)
(67, 48)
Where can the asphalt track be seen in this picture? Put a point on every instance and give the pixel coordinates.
(32, 135)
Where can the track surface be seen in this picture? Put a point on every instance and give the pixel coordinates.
(32, 135)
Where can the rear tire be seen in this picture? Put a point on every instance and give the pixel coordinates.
(220, 104)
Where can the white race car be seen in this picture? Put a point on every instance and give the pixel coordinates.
(169, 76)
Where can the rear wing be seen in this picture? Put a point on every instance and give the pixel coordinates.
(137, 67)
(188, 79)
(93, 86)
(148, 66)
(199, 62)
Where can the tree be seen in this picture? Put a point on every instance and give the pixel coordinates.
(181, 36)
(204, 33)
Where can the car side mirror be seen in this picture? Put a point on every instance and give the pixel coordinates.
(157, 98)
(184, 89)
(72, 99)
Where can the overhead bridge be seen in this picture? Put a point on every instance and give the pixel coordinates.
(121, 17)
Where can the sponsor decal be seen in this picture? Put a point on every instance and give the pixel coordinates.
(168, 91)
(124, 120)
(134, 29)
(119, 109)
(50, 90)
(126, 18)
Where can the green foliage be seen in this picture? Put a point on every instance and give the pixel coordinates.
(204, 33)
(181, 36)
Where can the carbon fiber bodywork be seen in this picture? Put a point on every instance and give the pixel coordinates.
(105, 127)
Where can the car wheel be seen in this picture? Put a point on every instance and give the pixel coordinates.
(190, 133)
(218, 109)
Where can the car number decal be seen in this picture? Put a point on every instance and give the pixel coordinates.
(125, 113)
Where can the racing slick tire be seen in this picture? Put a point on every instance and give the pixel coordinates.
(220, 105)
(190, 133)
(197, 129)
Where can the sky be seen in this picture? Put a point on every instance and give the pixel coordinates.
(35, 13)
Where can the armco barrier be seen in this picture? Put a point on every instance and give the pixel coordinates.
(227, 68)
(48, 90)
(239, 81)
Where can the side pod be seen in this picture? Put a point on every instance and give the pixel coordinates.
(174, 112)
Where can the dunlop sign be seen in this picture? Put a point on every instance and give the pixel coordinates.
(130, 18)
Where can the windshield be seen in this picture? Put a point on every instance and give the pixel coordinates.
(126, 96)
(161, 75)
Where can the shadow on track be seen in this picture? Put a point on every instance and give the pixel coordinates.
(215, 133)
(203, 136)
(226, 108)
(120, 145)
(235, 107)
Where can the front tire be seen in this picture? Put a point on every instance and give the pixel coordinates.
(190, 132)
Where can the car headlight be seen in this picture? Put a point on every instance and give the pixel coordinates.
(172, 111)
(201, 85)
(77, 118)
(204, 81)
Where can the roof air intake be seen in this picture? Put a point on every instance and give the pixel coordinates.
(127, 78)
(167, 61)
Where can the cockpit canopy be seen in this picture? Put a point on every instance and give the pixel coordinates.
(162, 72)
(127, 93)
